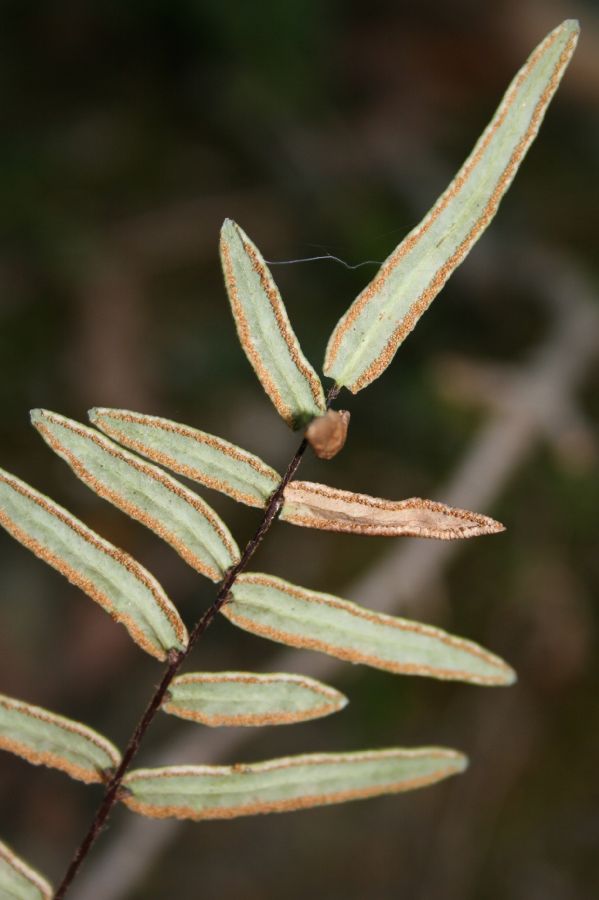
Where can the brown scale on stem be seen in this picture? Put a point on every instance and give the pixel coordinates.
(327, 434)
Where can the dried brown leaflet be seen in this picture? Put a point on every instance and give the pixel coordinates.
(319, 506)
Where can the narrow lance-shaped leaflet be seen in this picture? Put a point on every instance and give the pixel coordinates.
(210, 460)
(283, 785)
(45, 738)
(106, 574)
(248, 698)
(366, 338)
(265, 332)
(144, 492)
(18, 881)
(331, 509)
(293, 615)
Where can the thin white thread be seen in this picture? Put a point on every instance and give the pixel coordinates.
(290, 262)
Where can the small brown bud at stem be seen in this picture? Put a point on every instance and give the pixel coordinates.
(326, 434)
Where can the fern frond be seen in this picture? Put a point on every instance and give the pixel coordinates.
(247, 698)
(144, 492)
(282, 785)
(108, 575)
(45, 738)
(293, 615)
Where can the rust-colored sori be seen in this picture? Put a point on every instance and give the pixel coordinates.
(449, 764)
(356, 652)
(82, 771)
(111, 421)
(76, 577)
(361, 346)
(295, 390)
(136, 510)
(36, 883)
(351, 337)
(326, 701)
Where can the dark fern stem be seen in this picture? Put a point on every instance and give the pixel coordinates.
(176, 660)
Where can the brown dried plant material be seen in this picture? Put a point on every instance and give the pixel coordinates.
(327, 434)
(319, 506)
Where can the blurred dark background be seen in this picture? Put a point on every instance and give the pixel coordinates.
(129, 132)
